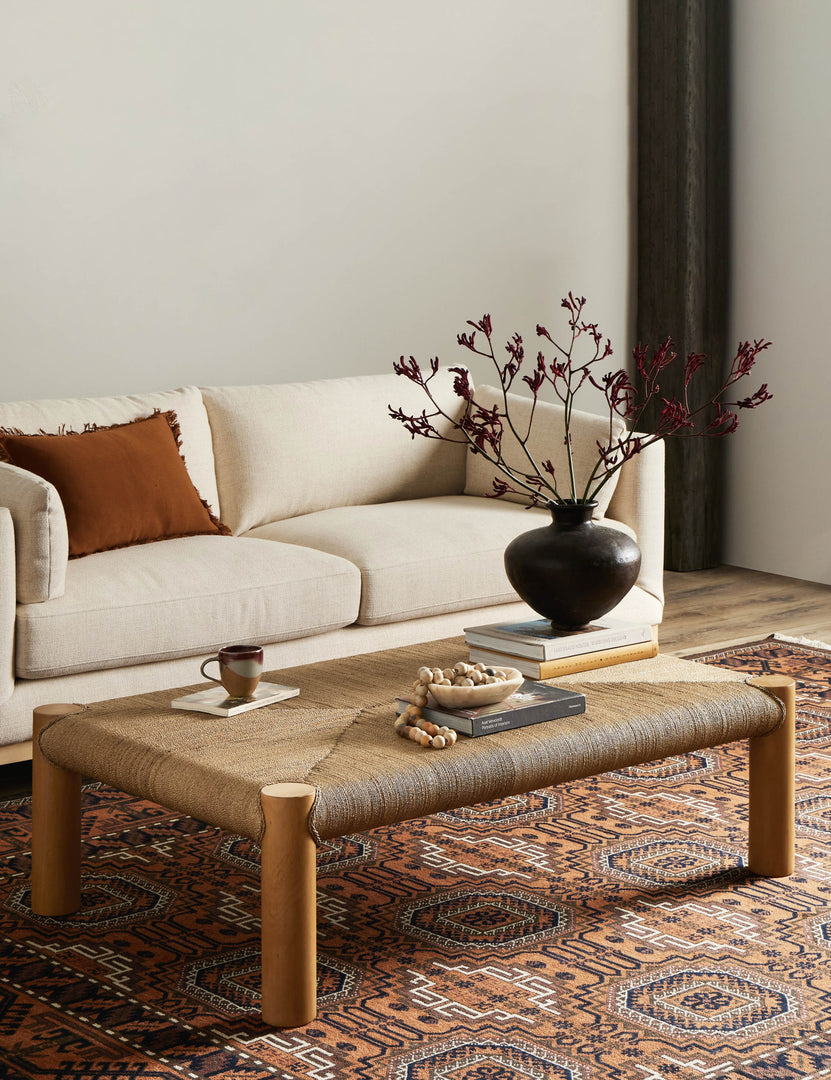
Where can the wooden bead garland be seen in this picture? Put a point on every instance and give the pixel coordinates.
(411, 724)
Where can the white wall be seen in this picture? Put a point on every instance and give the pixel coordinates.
(211, 191)
(779, 491)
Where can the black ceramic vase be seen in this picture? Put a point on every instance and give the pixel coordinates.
(572, 571)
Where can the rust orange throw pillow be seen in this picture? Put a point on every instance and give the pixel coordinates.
(120, 485)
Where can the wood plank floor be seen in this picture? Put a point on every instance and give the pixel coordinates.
(710, 607)
(703, 608)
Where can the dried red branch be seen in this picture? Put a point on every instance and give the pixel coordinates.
(483, 428)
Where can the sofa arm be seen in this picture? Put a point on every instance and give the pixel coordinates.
(41, 541)
(638, 502)
(8, 606)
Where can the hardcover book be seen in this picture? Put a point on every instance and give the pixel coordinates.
(533, 703)
(567, 665)
(215, 699)
(538, 640)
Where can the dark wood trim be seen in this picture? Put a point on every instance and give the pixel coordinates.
(683, 240)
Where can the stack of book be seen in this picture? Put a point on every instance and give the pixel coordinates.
(540, 652)
(533, 703)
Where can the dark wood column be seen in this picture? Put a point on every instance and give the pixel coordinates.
(683, 240)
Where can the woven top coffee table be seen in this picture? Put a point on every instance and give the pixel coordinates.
(328, 763)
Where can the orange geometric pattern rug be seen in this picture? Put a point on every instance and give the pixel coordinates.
(600, 930)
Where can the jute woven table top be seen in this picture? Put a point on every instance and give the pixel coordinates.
(338, 736)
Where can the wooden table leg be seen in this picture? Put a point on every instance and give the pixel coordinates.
(288, 907)
(772, 766)
(56, 826)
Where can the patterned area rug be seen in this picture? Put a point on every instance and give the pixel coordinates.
(600, 930)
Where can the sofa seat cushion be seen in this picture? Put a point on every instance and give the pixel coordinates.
(183, 597)
(417, 557)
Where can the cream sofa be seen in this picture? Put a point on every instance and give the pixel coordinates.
(348, 536)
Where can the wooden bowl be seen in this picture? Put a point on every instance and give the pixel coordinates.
(471, 697)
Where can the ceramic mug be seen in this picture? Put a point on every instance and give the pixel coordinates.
(240, 668)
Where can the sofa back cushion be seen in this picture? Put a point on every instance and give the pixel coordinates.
(291, 449)
(60, 414)
(546, 443)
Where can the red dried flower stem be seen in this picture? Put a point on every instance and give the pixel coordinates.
(566, 372)
(506, 377)
(482, 429)
(679, 422)
(421, 426)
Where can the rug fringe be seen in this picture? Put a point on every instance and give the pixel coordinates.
(802, 641)
(737, 643)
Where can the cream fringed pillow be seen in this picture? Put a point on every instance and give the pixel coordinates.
(120, 485)
(546, 442)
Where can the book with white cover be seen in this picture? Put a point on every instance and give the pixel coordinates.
(216, 702)
(538, 640)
